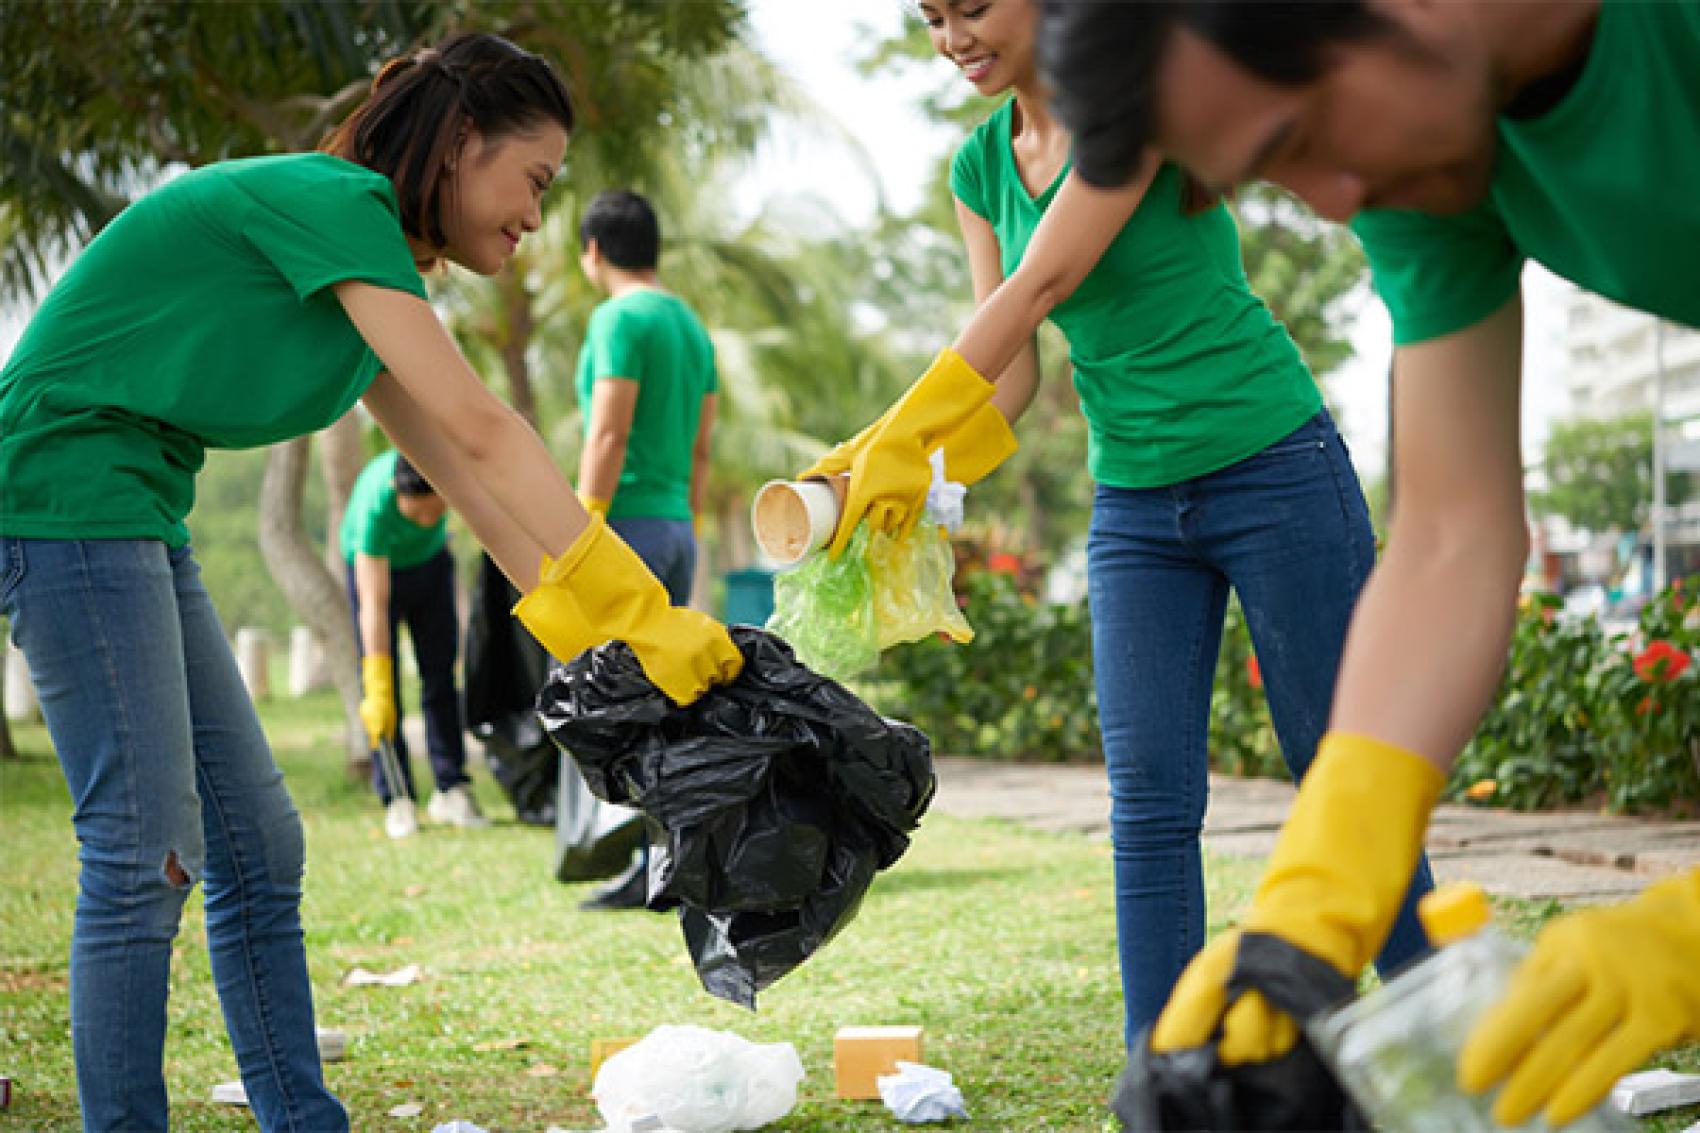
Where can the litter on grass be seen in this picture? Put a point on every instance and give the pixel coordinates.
(696, 1080)
(917, 1094)
(401, 977)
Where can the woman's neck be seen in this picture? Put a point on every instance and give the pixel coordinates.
(1033, 119)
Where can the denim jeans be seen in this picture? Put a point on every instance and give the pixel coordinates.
(1288, 531)
(668, 547)
(422, 597)
(172, 783)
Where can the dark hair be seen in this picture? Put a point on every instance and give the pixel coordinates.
(421, 105)
(623, 225)
(408, 481)
(1101, 59)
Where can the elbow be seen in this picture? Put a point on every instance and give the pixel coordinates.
(606, 440)
(1480, 551)
(485, 434)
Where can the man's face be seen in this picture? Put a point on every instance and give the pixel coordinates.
(1405, 120)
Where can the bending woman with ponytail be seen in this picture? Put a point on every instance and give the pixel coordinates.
(279, 291)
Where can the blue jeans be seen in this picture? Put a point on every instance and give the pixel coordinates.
(1288, 531)
(668, 547)
(422, 597)
(173, 783)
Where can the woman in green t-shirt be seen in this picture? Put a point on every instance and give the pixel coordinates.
(1217, 468)
(279, 291)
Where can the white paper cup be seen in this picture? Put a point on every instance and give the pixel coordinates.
(794, 518)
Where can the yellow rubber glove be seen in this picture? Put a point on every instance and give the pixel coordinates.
(1334, 884)
(890, 473)
(377, 700)
(978, 445)
(600, 591)
(1602, 990)
(595, 505)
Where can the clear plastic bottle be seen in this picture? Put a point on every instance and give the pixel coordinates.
(1396, 1048)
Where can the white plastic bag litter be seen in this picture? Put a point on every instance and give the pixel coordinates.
(695, 1080)
(919, 1093)
(458, 1126)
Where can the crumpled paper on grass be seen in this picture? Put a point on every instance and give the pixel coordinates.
(917, 1094)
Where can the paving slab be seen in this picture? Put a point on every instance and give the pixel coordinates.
(1577, 857)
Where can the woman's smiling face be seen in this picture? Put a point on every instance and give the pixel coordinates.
(990, 41)
(497, 194)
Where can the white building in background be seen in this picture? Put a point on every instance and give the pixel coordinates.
(1612, 354)
(1613, 362)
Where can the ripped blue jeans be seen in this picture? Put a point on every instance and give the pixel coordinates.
(173, 783)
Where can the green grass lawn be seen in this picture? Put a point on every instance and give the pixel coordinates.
(1000, 941)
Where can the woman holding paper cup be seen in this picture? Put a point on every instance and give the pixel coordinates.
(1217, 468)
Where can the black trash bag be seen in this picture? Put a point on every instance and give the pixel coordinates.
(772, 800)
(1191, 1090)
(505, 668)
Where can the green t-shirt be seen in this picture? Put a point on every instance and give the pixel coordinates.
(1181, 370)
(654, 339)
(202, 317)
(374, 526)
(1604, 189)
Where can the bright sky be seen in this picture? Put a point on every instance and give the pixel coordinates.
(817, 44)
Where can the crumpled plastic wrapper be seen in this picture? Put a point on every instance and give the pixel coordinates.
(697, 1080)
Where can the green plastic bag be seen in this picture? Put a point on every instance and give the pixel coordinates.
(839, 614)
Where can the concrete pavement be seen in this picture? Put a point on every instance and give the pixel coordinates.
(1570, 856)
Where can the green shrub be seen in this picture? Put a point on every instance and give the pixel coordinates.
(1023, 688)
(1580, 713)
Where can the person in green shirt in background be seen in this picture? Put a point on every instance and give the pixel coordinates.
(1217, 470)
(240, 304)
(395, 542)
(646, 387)
(1461, 139)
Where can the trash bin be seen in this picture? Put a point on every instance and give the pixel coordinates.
(749, 596)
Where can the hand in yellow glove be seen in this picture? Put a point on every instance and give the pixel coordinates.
(600, 591)
(971, 452)
(888, 462)
(377, 700)
(1602, 990)
(1335, 882)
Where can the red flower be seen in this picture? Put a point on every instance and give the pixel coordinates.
(1648, 704)
(1253, 671)
(1002, 562)
(1659, 662)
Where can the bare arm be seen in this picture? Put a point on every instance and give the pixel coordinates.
(372, 582)
(1429, 637)
(418, 436)
(1080, 224)
(700, 451)
(1020, 379)
(454, 425)
(613, 402)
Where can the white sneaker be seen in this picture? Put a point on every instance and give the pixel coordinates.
(456, 807)
(401, 818)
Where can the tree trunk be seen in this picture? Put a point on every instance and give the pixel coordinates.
(516, 304)
(314, 594)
